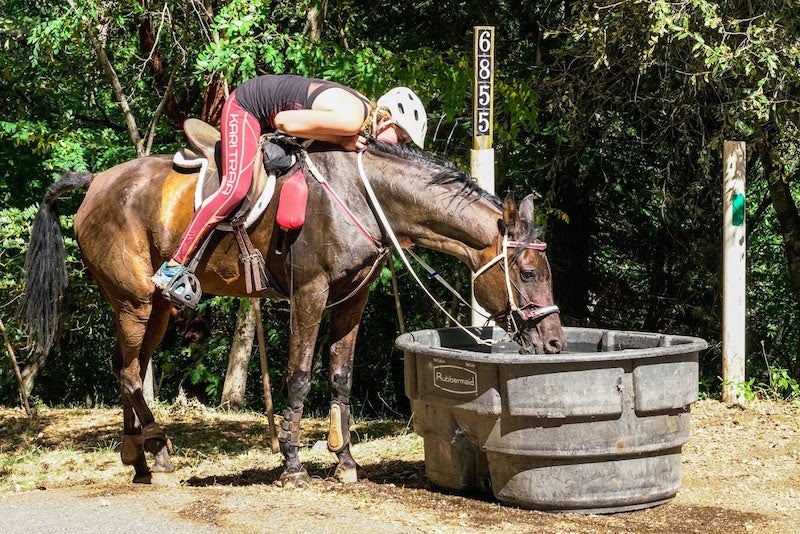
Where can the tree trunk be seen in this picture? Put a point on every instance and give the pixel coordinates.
(216, 90)
(33, 365)
(241, 348)
(315, 18)
(569, 259)
(162, 74)
(789, 220)
(214, 96)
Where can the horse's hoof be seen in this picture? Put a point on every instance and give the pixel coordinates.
(143, 478)
(162, 463)
(294, 480)
(346, 475)
(164, 479)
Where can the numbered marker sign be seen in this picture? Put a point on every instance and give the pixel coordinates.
(484, 86)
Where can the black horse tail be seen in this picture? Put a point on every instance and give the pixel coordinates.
(46, 265)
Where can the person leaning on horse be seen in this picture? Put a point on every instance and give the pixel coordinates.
(301, 107)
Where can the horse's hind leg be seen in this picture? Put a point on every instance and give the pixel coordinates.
(137, 331)
(159, 445)
(345, 320)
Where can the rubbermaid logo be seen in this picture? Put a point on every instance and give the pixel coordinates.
(455, 379)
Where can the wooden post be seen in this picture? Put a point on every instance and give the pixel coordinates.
(23, 395)
(482, 153)
(265, 384)
(734, 249)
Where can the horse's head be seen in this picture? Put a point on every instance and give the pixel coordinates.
(515, 285)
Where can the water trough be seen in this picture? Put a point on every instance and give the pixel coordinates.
(596, 429)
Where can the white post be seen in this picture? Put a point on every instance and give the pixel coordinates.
(482, 153)
(733, 271)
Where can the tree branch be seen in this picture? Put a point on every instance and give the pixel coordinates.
(113, 79)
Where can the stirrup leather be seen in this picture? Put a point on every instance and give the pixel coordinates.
(184, 289)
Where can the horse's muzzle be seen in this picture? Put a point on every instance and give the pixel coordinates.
(532, 334)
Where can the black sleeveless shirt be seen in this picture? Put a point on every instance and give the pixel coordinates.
(266, 96)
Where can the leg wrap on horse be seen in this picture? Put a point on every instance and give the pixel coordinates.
(290, 427)
(133, 444)
(132, 447)
(339, 430)
(154, 432)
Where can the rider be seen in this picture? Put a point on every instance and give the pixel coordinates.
(301, 107)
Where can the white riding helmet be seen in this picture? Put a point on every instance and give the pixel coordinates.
(407, 112)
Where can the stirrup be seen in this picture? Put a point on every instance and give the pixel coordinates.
(184, 289)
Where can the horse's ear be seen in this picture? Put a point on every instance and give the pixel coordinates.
(510, 224)
(526, 208)
(510, 215)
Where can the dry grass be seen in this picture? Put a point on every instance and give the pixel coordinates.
(68, 447)
(741, 473)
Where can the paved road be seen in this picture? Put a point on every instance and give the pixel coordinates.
(76, 511)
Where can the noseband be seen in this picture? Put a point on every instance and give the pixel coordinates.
(528, 311)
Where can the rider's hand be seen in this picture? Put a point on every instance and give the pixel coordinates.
(356, 143)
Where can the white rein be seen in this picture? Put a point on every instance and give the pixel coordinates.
(503, 255)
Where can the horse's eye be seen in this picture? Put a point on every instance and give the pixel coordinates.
(528, 275)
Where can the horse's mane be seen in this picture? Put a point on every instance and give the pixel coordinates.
(445, 172)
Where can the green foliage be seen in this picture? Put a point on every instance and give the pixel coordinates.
(782, 385)
(613, 113)
(14, 224)
(745, 390)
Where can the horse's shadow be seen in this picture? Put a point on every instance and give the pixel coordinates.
(234, 438)
(408, 474)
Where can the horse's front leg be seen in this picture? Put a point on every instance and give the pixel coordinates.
(345, 320)
(307, 308)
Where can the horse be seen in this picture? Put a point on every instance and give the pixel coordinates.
(133, 214)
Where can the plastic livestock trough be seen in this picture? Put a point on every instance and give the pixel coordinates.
(596, 429)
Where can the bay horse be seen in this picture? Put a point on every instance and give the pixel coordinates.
(133, 214)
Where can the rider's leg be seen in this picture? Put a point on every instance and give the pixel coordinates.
(240, 134)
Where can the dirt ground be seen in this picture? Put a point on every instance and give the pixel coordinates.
(61, 473)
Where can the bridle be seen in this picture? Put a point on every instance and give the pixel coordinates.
(530, 311)
(526, 313)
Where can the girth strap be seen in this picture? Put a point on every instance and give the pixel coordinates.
(255, 277)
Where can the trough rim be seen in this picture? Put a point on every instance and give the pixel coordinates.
(675, 345)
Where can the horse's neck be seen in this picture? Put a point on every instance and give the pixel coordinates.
(438, 217)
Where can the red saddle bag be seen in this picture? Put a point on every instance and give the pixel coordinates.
(292, 202)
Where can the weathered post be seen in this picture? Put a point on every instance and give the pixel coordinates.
(23, 395)
(482, 153)
(734, 248)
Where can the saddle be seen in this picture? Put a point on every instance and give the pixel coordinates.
(204, 152)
